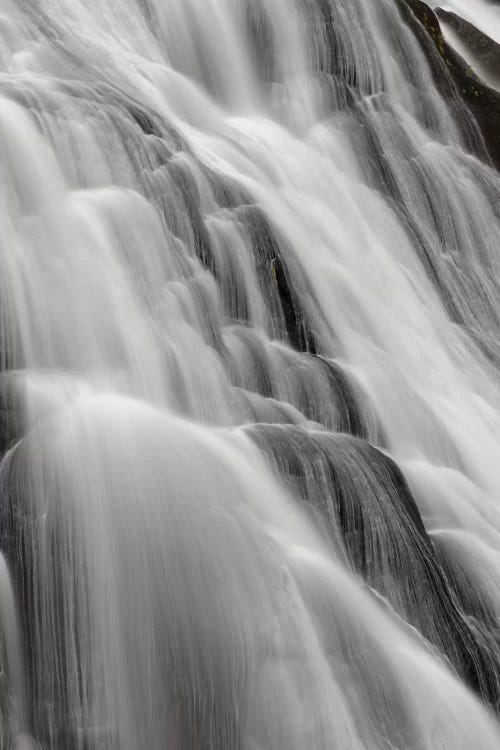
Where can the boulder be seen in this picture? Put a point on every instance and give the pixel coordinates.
(483, 49)
(457, 82)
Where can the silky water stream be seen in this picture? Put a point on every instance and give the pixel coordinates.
(250, 320)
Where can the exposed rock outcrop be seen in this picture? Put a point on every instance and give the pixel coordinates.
(483, 49)
(462, 86)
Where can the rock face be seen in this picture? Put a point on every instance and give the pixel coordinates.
(484, 50)
(462, 86)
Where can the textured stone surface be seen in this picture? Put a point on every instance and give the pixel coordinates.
(485, 50)
(462, 86)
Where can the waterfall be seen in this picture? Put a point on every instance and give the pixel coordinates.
(249, 354)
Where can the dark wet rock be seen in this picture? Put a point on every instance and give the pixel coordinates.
(226, 191)
(7, 429)
(276, 280)
(360, 499)
(10, 420)
(144, 120)
(457, 82)
(194, 223)
(340, 406)
(485, 50)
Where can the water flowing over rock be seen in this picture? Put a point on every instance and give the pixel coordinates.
(485, 51)
(249, 362)
(458, 81)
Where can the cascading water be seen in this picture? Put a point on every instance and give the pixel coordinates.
(250, 322)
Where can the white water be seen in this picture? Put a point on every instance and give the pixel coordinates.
(174, 175)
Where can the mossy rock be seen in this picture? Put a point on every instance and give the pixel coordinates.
(484, 50)
(457, 82)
